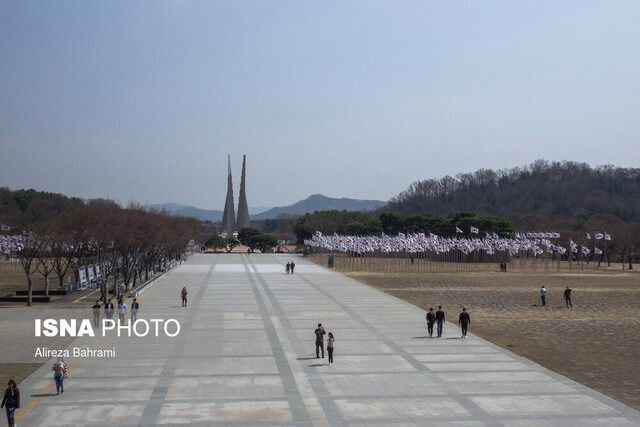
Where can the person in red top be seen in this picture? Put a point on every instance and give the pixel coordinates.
(11, 401)
(184, 296)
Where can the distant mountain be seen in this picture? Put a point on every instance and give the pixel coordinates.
(189, 211)
(318, 202)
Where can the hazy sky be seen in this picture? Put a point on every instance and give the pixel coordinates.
(143, 100)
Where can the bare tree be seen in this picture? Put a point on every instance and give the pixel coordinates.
(44, 264)
(33, 240)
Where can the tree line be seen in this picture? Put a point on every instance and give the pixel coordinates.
(129, 244)
(252, 238)
(392, 223)
(568, 190)
(568, 197)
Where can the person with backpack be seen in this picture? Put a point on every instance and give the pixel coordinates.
(11, 401)
(59, 374)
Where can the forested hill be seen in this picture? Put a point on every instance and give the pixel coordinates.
(566, 190)
(26, 206)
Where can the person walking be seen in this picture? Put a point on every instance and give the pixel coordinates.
(330, 341)
(184, 296)
(431, 319)
(567, 297)
(11, 401)
(122, 311)
(543, 295)
(287, 267)
(96, 314)
(463, 320)
(319, 340)
(59, 374)
(134, 310)
(440, 320)
(292, 266)
(108, 309)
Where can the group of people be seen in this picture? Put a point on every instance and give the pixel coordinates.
(438, 318)
(566, 295)
(320, 332)
(289, 267)
(109, 310)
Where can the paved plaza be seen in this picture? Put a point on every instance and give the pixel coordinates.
(245, 355)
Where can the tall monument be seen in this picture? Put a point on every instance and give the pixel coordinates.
(243, 208)
(229, 216)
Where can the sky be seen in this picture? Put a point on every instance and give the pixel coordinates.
(143, 100)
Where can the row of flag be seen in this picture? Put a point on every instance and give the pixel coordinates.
(10, 244)
(419, 242)
(15, 243)
(599, 236)
(472, 230)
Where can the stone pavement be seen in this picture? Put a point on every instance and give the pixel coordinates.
(245, 355)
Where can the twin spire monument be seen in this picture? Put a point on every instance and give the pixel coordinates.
(229, 223)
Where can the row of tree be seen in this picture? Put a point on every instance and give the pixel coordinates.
(392, 223)
(252, 238)
(129, 244)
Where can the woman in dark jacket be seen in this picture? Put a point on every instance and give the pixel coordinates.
(12, 401)
(431, 319)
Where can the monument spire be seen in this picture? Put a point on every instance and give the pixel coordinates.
(229, 215)
(243, 208)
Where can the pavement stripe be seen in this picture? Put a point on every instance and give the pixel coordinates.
(296, 402)
(154, 405)
(329, 407)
